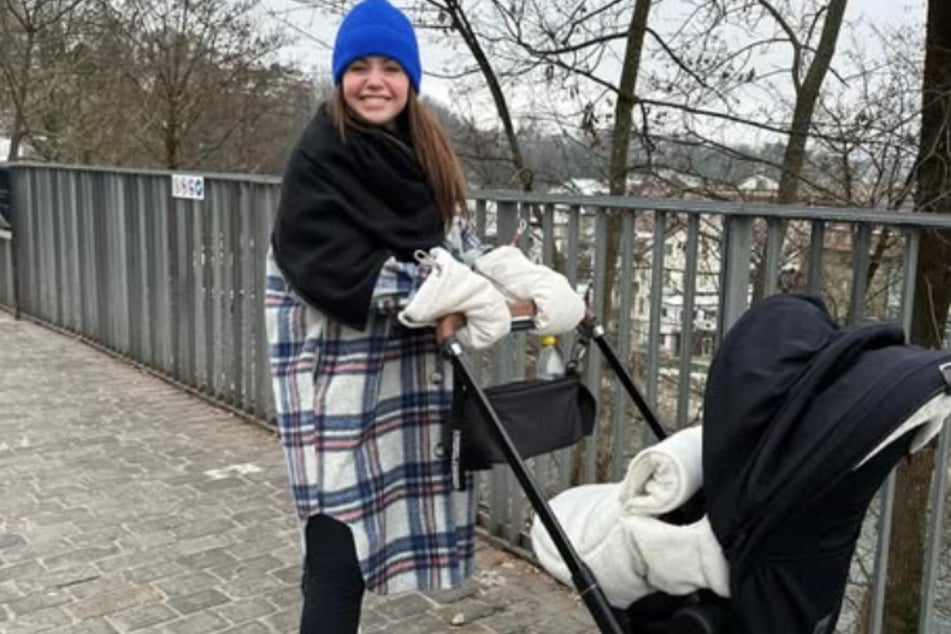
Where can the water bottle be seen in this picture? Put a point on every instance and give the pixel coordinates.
(549, 365)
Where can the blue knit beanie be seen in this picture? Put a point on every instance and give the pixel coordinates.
(376, 27)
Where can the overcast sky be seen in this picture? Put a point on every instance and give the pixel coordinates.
(314, 33)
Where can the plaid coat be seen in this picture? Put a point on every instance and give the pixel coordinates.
(361, 417)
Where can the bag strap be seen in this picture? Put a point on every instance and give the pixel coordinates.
(454, 437)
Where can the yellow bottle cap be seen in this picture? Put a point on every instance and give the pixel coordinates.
(549, 340)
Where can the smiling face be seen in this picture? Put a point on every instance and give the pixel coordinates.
(376, 89)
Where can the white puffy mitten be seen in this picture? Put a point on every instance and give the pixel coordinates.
(558, 308)
(453, 288)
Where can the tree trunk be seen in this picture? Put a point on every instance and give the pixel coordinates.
(617, 184)
(170, 136)
(929, 318)
(807, 94)
(15, 138)
(621, 144)
(905, 556)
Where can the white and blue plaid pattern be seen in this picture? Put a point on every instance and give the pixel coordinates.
(361, 416)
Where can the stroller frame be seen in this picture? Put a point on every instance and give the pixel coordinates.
(582, 577)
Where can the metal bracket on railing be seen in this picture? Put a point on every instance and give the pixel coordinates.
(583, 335)
(945, 369)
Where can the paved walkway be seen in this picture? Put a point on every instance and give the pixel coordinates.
(129, 506)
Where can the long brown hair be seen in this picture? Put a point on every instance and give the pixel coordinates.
(433, 150)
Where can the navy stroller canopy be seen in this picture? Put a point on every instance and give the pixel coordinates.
(793, 408)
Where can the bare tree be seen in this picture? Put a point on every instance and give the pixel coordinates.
(807, 84)
(25, 27)
(171, 83)
(810, 65)
(79, 103)
(866, 144)
(459, 21)
(184, 56)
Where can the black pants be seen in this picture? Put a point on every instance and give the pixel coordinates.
(332, 583)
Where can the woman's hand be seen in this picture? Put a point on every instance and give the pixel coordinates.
(447, 326)
(559, 307)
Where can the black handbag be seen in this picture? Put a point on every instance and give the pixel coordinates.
(539, 416)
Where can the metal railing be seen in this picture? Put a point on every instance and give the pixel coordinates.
(177, 285)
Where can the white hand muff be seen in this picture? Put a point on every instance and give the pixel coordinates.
(558, 307)
(452, 287)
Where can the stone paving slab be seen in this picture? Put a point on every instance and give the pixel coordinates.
(127, 505)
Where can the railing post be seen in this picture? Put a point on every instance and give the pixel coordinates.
(734, 270)
(7, 232)
(501, 480)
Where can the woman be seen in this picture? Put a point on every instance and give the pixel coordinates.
(369, 249)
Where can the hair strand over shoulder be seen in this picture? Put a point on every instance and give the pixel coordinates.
(433, 150)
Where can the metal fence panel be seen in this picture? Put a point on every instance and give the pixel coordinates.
(177, 285)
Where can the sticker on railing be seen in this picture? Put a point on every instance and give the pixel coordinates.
(188, 186)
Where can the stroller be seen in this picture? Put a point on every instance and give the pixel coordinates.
(802, 422)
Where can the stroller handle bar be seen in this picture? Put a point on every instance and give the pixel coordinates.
(523, 313)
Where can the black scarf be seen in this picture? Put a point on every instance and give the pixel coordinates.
(346, 207)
